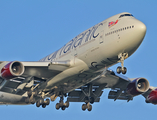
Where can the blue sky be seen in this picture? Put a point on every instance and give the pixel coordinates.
(32, 29)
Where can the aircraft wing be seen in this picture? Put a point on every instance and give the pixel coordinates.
(38, 73)
(34, 73)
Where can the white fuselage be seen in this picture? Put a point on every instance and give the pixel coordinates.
(103, 41)
(98, 47)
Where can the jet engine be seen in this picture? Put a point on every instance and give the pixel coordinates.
(152, 97)
(12, 70)
(138, 86)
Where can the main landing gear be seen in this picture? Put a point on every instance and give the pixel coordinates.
(87, 104)
(89, 99)
(31, 97)
(122, 69)
(61, 104)
(40, 102)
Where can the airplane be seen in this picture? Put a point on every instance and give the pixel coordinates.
(79, 71)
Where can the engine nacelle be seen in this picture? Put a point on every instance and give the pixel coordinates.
(12, 70)
(152, 97)
(138, 86)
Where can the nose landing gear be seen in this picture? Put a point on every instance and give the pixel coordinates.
(122, 69)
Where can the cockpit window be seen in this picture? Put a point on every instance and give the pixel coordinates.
(125, 15)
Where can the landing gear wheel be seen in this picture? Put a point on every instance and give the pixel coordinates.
(84, 106)
(38, 104)
(57, 106)
(43, 105)
(89, 107)
(63, 107)
(47, 102)
(119, 70)
(124, 70)
(32, 101)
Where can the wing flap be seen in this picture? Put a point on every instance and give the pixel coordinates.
(45, 69)
(122, 96)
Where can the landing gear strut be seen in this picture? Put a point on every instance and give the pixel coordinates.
(122, 69)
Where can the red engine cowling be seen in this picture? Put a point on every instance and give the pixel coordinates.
(12, 70)
(152, 97)
(138, 86)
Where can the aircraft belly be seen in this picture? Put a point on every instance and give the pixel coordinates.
(79, 67)
(76, 81)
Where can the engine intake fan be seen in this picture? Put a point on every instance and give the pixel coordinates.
(12, 70)
(138, 86)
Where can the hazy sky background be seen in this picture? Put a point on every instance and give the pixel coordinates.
(32, 29)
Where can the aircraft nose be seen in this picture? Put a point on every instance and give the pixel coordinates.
(139, 32)
(142, 28)
(135, 37)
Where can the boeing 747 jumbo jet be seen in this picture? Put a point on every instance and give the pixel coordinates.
(79, 70)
